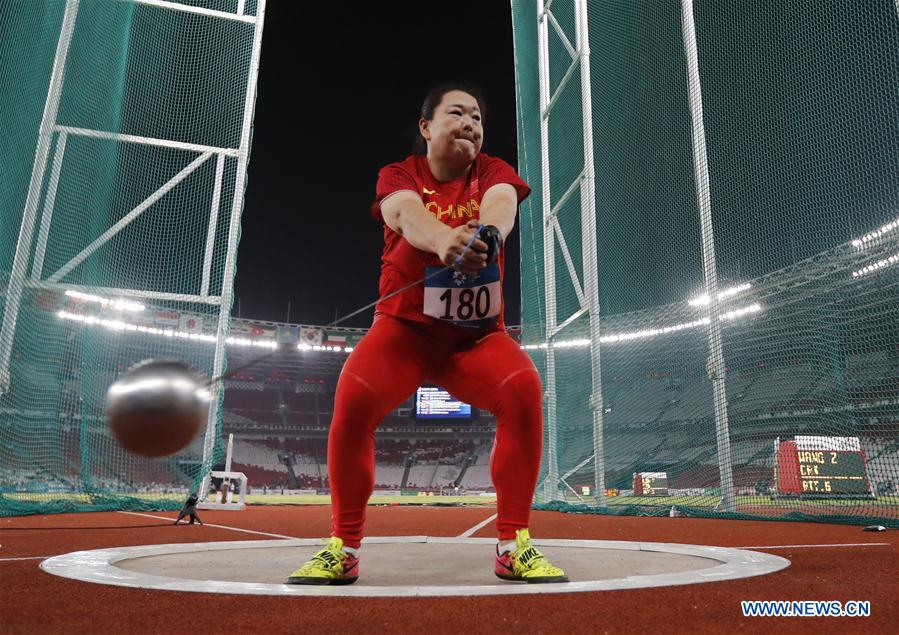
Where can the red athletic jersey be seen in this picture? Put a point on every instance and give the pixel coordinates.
(453, 202)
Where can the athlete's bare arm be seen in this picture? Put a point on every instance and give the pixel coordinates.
(405, 214)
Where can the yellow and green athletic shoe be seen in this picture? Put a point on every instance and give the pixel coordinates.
(331, 565)
(526, 563)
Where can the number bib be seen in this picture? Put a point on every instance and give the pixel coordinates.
(473, 301)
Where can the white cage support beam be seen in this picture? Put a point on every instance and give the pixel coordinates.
(588, 292)
(49, 129)
(17, 278)
(551, 482)
(716, 367)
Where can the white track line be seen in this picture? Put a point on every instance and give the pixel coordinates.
(469, 532)
(846, 544)
(245, 531)
(28, 558)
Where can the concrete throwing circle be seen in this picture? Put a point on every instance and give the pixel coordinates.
(407, 566)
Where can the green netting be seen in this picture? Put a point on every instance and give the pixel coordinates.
(124, 184)
(800, 335)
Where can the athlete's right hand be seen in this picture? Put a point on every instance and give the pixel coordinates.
(452, 243)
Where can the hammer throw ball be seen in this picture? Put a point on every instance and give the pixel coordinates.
(157, 407)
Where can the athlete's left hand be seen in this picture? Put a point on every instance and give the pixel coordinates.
(493, 238)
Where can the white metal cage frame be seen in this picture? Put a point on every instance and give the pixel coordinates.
(32, 245)
(587, 291)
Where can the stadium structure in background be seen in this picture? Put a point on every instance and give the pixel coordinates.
(709, 256)
(715, 218)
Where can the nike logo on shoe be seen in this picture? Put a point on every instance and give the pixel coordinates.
(505, 566)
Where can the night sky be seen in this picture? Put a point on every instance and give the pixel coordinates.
(338, 98)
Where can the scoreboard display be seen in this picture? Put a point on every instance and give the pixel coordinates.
(432, 402)
(821, 466)
(651, 483)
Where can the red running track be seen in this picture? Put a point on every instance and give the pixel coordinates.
(32, 601)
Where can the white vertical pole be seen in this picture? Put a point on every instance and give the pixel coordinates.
(49, 203)
(227, 296)
(213, 225)
(38, 169)
(716, 348)
(590, 257)
(551, 483)
(229, 452)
